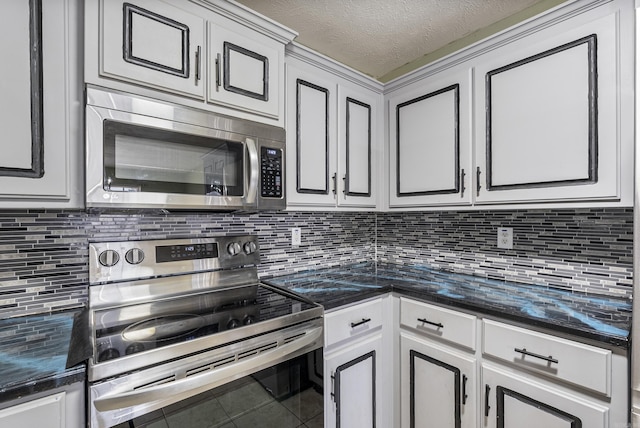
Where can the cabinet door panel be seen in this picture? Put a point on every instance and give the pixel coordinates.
(551, 99)
(358, 148)
(429, 129)
(358, 145)
(548, 135)
(21, 106)
(428, 144)
(44, 412)
(154, 44)
(311, 138)
(351, 384)
(244, 68)
(437, 385)
(515, 401)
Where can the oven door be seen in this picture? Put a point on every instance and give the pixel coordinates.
(265, 381)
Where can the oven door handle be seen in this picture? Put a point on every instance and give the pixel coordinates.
(192, 385)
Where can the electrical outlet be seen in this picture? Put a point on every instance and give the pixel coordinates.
(296, 236)
(505, 238)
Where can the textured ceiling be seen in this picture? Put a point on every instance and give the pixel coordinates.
(378, 36)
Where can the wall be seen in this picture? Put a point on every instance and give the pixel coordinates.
(44, 256)
(589, 250)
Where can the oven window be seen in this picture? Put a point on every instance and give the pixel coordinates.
(144, 159)
(286, 395)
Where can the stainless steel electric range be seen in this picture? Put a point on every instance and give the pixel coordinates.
(171, 319)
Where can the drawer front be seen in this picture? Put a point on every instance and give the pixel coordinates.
(437, 322)
(352, 321)
(574, 362)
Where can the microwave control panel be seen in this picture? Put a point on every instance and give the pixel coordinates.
(270, 172)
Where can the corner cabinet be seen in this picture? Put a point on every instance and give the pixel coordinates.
(430, 142)
(217, 56)
(333, 135)
(540, 114)
(41, 106)
(554, 105)
(438, 368)
(461, 370)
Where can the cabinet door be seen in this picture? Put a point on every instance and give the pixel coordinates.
(40, 107)
(437, 385)
(245, 68)
(351, 385)
(513, 401)
(358, 146)
(429, 130)
(311, 138)
(548, 108)
(44, 412)
(152, 43)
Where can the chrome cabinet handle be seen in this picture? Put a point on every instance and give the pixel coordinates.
(487, 407)
(198, 53)
(217, 72)
(524, 351)
(437, 324)
(334, 177)
(478, 172)
(464, 389)
(462, 188)
(364, 321)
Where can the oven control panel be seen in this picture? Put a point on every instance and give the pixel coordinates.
(124, 260)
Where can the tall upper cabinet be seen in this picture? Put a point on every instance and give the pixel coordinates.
(41, 104)
(334, 129)
(213, 55)
(539, 115)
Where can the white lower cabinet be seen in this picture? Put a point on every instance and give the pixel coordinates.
(351, 374)
(58, 408)
(461, 370)
(512, 400)
(357, 388)
(437, 385)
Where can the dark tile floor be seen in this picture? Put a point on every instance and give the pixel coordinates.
(244, 403)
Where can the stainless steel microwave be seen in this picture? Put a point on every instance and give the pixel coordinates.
(144, 153)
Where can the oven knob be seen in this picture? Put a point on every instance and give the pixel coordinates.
(233, 323)
(134, 348)
(249, 319)
(108, 258)
(108, 354)
(234, 248)
(134, 256)
(250, 247)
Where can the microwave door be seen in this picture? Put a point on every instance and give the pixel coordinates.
(139, 162)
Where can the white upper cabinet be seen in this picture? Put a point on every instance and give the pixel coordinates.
(430, 142)
(40, 110)
(334, 130)
(552, 102)
(246, 68)
(152, 43)
(212, 55)
(540, 115)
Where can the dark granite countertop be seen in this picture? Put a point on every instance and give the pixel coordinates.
(601, 318)
(39, 353)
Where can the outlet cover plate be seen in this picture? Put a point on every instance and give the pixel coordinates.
(505, 238)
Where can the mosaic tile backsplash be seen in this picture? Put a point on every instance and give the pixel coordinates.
(44, 257)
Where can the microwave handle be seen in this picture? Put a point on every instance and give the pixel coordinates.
(254, 170)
